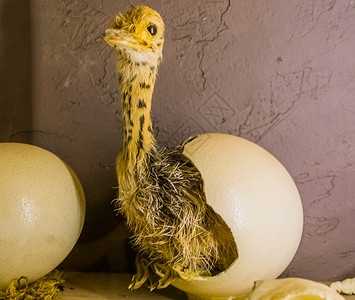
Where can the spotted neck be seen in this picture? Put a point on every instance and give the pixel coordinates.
(137, 84)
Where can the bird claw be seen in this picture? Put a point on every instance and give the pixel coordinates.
(153, 284)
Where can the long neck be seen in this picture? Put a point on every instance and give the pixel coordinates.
(137, 84)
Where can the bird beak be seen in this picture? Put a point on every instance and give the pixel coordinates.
(114, 38)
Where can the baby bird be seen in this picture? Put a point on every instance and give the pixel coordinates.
(161, 192)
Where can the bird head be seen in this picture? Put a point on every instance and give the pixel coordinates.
(137, 35)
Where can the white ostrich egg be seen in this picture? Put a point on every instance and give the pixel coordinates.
(42, 211)
(258, 200)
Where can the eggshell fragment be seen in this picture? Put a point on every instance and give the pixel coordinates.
(346, 286)
(292, 289)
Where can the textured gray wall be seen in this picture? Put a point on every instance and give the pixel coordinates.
(280, 73)
(15, 71)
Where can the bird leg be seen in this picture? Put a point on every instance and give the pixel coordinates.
(142, 273)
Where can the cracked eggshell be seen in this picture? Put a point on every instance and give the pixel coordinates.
(259, 201)
(292, 289)
(42, 211)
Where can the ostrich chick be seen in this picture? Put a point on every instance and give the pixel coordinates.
(161, 193)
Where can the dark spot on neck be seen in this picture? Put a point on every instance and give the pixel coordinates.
(140, 138)
(140, 141)
(144, 85)
(119, 76)
(141, 122)
(141, 103)
(134, 77)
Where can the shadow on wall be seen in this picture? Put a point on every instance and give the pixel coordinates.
(17, 124)
(15, 71)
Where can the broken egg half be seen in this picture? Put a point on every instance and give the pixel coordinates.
(257, 198)
(42, 211)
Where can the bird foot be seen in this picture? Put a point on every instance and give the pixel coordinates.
(169, 275)
(159, 276)
(142, 273)
(166, 277)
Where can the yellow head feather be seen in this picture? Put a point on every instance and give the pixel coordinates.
(140, 29)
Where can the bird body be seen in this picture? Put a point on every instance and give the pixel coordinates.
(161, 192)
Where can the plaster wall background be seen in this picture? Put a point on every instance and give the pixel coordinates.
(279, 73)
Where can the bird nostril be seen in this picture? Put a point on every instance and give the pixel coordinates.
(105, 36)
(108, 33)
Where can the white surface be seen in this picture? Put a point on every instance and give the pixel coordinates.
(82, 286)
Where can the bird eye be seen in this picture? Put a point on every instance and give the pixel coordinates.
(152, 29)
